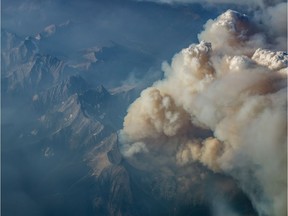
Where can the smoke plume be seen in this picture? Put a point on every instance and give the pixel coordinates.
(222, 103)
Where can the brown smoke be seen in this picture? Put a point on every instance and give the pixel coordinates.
(223, 104)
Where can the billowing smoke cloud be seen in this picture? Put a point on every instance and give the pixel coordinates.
(223, 104)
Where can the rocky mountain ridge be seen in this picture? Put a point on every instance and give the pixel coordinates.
(69, 136)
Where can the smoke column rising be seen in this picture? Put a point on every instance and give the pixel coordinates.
(223, 103)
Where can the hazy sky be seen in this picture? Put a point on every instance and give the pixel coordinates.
(152, 27)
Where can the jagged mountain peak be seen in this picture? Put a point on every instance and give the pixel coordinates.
(60, 92)
(93, 96)
(52, 29)
(101, 89)
(75, 84)
(9, 40)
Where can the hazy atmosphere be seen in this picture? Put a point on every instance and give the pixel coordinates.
(144, 107)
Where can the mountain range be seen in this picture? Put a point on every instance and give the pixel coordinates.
(60, 147)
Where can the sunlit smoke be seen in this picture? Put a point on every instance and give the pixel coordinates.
(223, 104)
